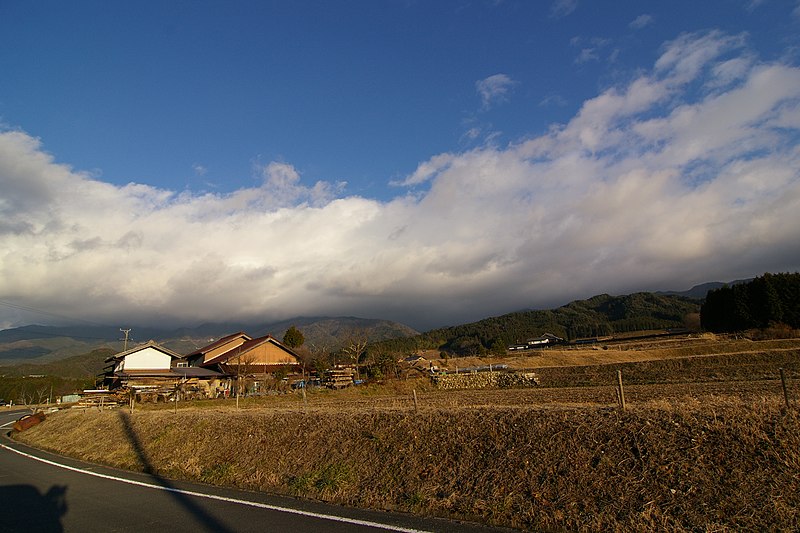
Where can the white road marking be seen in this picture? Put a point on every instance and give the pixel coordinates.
(334, 518)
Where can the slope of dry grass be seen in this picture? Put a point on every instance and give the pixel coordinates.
(705, 445)
(675, 465)
(628, 352)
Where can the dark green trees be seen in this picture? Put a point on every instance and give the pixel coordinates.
(293, 338)
(598, 316)
(769, 299)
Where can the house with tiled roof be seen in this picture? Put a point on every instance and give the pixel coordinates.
(153, 369)
(244, 361)
(263, 355)
(216, 349)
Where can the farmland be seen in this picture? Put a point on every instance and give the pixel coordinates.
(706, 441)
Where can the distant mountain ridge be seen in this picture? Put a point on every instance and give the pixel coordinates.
(699, 292)
(597, 316)
(48, 344)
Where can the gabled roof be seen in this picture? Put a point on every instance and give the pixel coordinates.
(149, 344)
(194, 372)
(183, 372)
(246, 347)
(219, 342)
(546, 337)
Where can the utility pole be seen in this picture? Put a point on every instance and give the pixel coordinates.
(127, 333)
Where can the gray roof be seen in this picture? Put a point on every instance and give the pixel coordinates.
(174, 372)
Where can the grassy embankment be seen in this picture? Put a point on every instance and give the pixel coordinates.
(716, 455)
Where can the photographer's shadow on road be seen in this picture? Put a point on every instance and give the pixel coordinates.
(24, 508)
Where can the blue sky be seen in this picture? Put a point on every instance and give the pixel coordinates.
(192, 94)
(431, 162)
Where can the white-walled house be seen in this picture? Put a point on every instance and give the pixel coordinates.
(149, 356)
(155, 369)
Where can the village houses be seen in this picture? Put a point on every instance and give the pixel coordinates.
(153, 372)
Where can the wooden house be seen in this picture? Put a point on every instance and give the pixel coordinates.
(240, 357)
(156, 371)
(263, 355)
(202, 356)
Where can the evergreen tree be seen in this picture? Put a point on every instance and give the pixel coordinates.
(293, 338)
(769, 299)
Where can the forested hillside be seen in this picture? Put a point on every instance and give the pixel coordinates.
(767, 300)
(600, 315)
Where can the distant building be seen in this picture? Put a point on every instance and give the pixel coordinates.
(548, 339)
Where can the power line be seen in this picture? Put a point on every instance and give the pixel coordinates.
(70, 335)
(13, 305)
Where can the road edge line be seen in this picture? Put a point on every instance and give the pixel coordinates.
(267, 506)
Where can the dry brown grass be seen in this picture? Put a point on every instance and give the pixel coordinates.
(628, 352)
(718, 462)
(705, 445)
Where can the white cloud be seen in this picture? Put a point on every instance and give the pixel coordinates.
(427, 170)
(553, 100)
(591, 48)
(641, 21)
(472, 133)
(651, 184)
(586, 55)
(730, 71)
(494, 89)
(562, 8)
(685, 56)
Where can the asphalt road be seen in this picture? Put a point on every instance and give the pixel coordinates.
(42, 492)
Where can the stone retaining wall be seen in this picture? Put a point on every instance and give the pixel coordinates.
(486, 380)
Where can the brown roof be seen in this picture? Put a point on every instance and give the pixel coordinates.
(154, 373)
(175, 372)
(218, 343)
(247, 346)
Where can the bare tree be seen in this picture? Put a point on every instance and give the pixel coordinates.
(305, 358)
(33, 399)
(320, 356)
(243, 365)
(355, 346)
(381, 363)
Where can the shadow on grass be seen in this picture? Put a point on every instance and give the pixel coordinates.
(203, 517)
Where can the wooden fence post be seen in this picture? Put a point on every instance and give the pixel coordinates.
(621, 390)
(416, 404)
(785, 391)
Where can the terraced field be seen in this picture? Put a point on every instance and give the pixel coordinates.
(706, 442)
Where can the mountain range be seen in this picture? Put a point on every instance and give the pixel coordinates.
(698, 292)
(45, 345)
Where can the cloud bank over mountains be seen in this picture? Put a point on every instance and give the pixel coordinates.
(689, 172)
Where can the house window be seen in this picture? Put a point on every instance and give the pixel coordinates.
(182, 364)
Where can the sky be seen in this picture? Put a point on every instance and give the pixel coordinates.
(434, 163)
